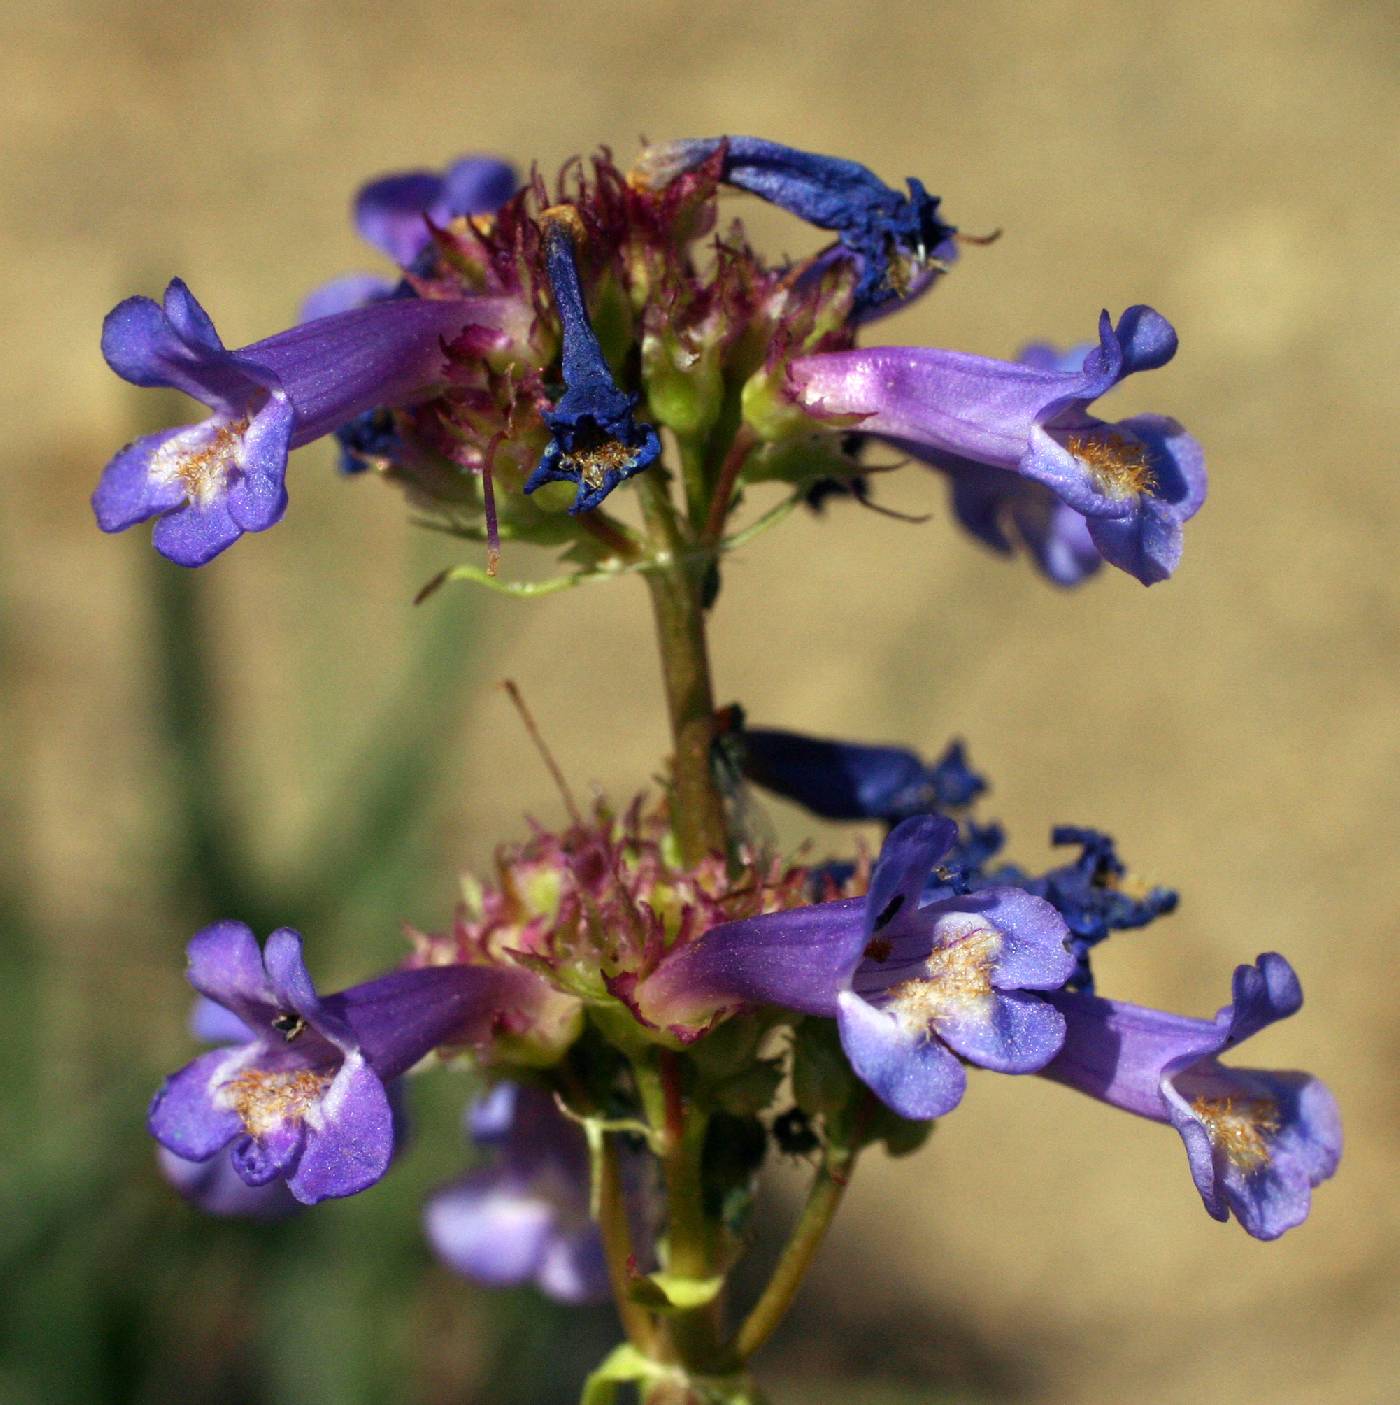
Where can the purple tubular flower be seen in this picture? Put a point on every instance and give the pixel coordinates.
(208, 483)
(912, 987)
(302, 1097)
(894, 239)
(852, 781)
(950, 978)
(596, 442)
(392, 212)
(1257, 1141)
(214, 1186)
(1134, 482)
(523, 1218)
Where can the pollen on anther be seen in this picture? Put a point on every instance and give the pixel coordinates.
(204, 468)
(594, 464)
(263, 1100)
(1119, 466)
(1240, 1127)
(957, 976)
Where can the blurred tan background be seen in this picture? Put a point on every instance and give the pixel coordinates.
(1236, 728)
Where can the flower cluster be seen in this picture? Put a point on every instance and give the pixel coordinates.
(925, 965)
(536, 336)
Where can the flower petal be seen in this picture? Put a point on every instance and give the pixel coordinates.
(906, 861)
(257, 498)
(195, 533)
(212, 1023)
(574, 1268)
(1009, 1031)
(183, 1115)
(224, 963)
(271, 1154)
(478, 185)
(909, 1072)
(1032, 954)
(349, 1138)
(489, 1229)
(174, 346)
(389, 212)
(126, 493)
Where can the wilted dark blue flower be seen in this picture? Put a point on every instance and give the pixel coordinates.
(1134, 482)
(897, 241)
(301, 1096)
(597, 443)
(852, 781)
(523, 1218)
(208, 483)
(1257, 1140)
(1091, 894)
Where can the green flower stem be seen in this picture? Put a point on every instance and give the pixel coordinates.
(675, 584)
(617, 1247)
(694, 1334)
(823, 1200)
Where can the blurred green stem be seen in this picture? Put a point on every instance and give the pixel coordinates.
(693, 1334)
(675, 585)
(823, 1200)
(617, 1245)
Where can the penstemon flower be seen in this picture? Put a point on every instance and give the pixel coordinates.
(1134, 482)
(1257, 1141)
(896, 242)
(209, 483)
(303, 1097)
(596, 443)
(395, 212)
(912, 985)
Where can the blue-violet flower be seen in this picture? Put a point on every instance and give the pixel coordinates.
(912, 987)
(393, 211)
(1257, 1140)
(209, 483)
(855, 781)
(897, 242)
(302, 1096)
(524, 1217)
(1134, 482)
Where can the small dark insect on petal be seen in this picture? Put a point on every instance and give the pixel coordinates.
(891, 908)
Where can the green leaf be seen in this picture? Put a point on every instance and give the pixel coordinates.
(673, 1292)
(622, 1365)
